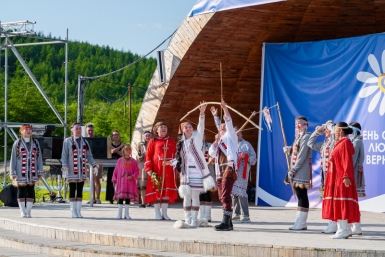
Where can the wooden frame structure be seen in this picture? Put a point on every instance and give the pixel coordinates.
(234, 38)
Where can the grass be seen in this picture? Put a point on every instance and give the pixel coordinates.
(42, 194)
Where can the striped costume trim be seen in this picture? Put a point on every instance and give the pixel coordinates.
(340, 199)
(195, 208)
(302, 209)
(195, 154)
(25, 156)
(75, 155)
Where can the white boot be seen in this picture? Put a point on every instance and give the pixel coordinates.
(349, 228)
(208, 212)
(296, 220)
(79, 208)
(164, 211)
(23, 212)
(187, 217)
(73, 206)
(158, 216)
(126, 215)
(356, 229)
(342, 231)
(301, 225)
(332, 227)
(120, 208)
(28, 210)
(194, 216)
(202, 211)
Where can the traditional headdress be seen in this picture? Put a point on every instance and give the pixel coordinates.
(25, 126)
(74, 126)
(181, 127)
(156, 126)
(304, 121)
(356, 127)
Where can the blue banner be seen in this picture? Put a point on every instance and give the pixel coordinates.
(339, 80)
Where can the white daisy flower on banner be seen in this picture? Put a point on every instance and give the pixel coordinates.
(375, 84)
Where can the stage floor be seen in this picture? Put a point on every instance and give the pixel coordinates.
(268, 229)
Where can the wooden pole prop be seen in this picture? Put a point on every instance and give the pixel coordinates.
(244, 124)
(220, 68)
(285, 143)
(164, 169)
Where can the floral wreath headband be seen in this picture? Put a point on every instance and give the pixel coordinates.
(300, 121)
(24, 127)
(76, 126)
(330, 125)
(355, 129)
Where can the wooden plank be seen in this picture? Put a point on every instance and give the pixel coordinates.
(190, 34)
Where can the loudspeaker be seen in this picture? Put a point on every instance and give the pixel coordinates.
(9, 196)
(100, 147)
(51, 147)
(161, 66)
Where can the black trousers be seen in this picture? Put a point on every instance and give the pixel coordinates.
(110, 191)
(205, 197)
(303, 199)
(27, 191)
(120, 201)
(76, 189)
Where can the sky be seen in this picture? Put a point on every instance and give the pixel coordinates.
(137, 26)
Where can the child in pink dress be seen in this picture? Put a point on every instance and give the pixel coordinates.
(124, 180)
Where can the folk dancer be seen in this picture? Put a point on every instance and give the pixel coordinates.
(90, 130)
(75, 154)
(340, 201)
(190, 163)
(246, 158)
(224, 150)
(26, 168)
(325, 149)
(358, 162)
(205, 199)
(300, 171)
(116, 153)
(124, 179)
(141, 149)
(161, 185)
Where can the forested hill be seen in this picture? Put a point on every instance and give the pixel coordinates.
(105, 99)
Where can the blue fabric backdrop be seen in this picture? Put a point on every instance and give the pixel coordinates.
(340, 80)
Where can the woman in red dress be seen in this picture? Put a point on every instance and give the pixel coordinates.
(340, 201)
(161, 185)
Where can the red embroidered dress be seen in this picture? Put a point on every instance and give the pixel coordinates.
(154, 163)
(341, 202)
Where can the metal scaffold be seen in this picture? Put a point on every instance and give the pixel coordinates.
(25, 29)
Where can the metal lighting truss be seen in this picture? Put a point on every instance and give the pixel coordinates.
(26, 29)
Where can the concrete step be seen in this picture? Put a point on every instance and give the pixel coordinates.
(10, 252)
(20, 244)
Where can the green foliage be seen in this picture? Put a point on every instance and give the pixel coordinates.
(105, 99)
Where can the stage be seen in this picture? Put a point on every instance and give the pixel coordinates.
(100, 234)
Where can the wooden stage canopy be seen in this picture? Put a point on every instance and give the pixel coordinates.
(235, 38)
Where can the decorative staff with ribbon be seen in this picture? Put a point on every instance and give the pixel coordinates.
(286, 154)
(164, 169)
